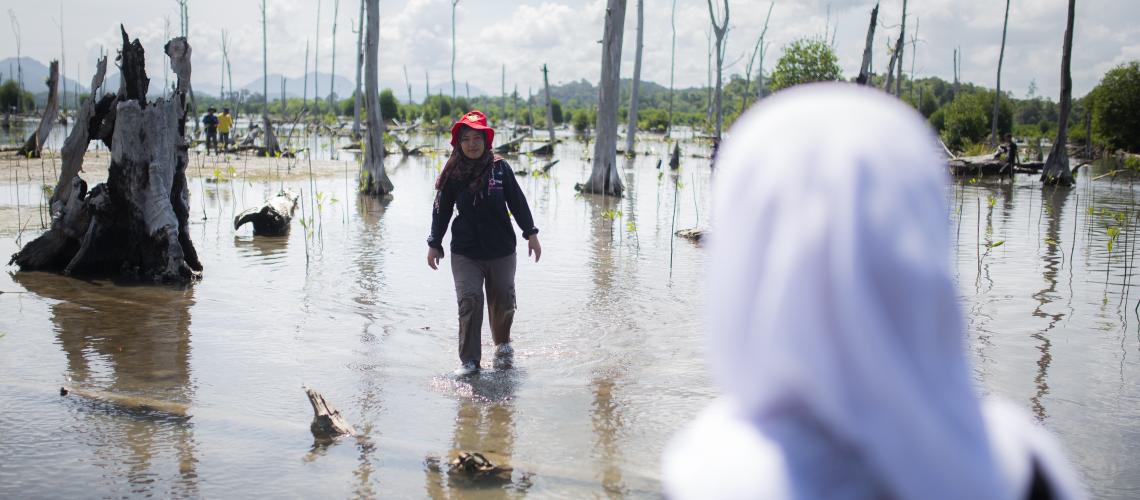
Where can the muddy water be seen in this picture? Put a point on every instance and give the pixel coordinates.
(609, 358)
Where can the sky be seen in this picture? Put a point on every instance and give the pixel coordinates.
(522, 35)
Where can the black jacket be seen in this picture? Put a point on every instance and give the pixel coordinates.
(482, 230)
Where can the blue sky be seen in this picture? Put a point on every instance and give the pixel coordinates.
(522, 35)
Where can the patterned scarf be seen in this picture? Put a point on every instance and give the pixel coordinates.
(467, 172)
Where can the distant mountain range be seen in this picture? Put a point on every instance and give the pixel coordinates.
(35, 73)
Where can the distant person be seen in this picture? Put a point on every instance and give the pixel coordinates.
(1011, 158)
(210, 121)
(225, 123)
(484, 188)
(833, 322)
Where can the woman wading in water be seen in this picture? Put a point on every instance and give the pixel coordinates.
(482, 240)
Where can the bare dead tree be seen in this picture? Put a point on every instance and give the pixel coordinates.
(332, 66)
(672, 67)
(761, 90)
(19, 64)
(317, 63)
(356, 95)
(902, 41)
(605, 176)
(270, 139)
(865, 68)
(889, 87)
(375, 181)
(305, 84)
(453, 4)
(631, 129)
(549, 105)
(1056, 170)
(758, 50)
(997, 91)
(35, 143)
(720, 30)
(913, 56)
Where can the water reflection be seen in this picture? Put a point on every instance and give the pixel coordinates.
(1053, 204)
(131, 344)
(484, 423)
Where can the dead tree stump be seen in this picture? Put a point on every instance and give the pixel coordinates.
(135, 225)
(327, 422)
(272, 218)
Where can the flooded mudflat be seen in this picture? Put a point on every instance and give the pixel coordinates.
(609, 359)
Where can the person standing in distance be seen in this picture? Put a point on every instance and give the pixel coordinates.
(211, 123)
(484, 188)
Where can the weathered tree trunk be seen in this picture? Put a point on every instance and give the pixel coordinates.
(332, 65)
(631, 129)
(35, 142)
(453, 4)
(357, 96)
(77, 141)
(316, 62)
(605, 177)
(865, 68)
(271, 147)
(672, 68)
(549, 106)
(901, 47)
(997, 94)
(1056, 169)
(135, 225)
(720, 30)
(891, 67)
(376, 182)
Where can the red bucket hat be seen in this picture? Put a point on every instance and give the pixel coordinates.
(476, 120)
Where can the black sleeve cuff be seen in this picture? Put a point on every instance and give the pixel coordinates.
(527, 234)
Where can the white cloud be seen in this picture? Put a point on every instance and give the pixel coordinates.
(524, 34)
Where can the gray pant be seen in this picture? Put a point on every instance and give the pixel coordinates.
(471, 275)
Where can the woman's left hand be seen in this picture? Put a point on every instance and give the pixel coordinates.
(533, 247)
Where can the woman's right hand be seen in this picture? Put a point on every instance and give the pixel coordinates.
(434, 256)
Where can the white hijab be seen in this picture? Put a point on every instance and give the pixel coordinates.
(834, 325)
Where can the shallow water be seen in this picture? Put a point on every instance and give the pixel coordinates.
(609, 359)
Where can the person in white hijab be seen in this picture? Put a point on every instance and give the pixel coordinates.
(834, 327)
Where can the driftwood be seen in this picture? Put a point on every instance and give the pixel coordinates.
(128, 402)
(406, 151)
(544, 150)
(134, 226)
(675, 158)
(35, 142)
(546, 168)
(327, 421)
(475, 467)
(511, 146)
(272, 218)
(695, 234)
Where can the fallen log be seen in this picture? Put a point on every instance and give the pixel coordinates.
(129, 402)
(546, 168)
(272, 218)
(327, 422)
(137, 222)
(543, 150)
(695, 234)
(511, 146)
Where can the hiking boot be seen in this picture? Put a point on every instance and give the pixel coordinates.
(504, 356)
(467, 368)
